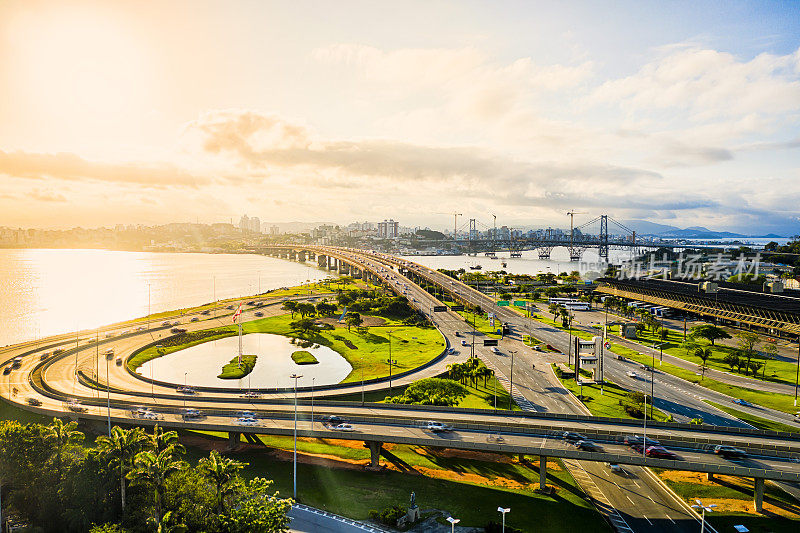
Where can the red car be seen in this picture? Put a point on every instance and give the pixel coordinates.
(660, 452)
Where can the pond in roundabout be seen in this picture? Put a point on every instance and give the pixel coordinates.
(203, 363)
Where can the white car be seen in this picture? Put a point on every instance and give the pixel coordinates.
(246, 421)
(148, 415)
(437, 427)
(495, 350)
(632, 374)
(343, 427)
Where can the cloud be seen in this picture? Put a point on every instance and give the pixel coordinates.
(266, 142)
(708, 84)
(46, 196)
(70, 167)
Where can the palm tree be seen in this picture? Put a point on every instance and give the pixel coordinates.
(62, 436)
(120, 448)
(223, 472)
(155, 468)
(703, 354)
(162, 440)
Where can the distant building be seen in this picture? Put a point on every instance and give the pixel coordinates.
(388, 229)
(250, 224)
(274, 230)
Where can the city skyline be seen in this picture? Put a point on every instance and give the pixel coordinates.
(143, 114)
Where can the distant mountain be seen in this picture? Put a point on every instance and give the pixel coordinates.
(645, 227)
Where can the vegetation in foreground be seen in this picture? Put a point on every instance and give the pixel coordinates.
(469, 486)
(237, 370)
(129, 481)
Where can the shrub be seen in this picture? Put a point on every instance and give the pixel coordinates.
(388, 516)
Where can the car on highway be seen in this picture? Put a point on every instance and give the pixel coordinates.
(75, 406)
(332, 420)
(632, 374)
(745, 403)
(437, 427)
(205, 313)
(178, 331)
(7, 370)
(34, 401)
(16, 362)
(458, 334)
(186, 390)
(246, 421)
(229, 307)
(191, 412)
(259, 314)
(44, 356)
(119, 361)
(587, 445)
(148, 415)
(659, 452)
(638, 440)
(615, 467)
(195, 319)
(729, 452)
(495, 349)
(251, 394)
(110, 334)
(246, 414)
(464, 343)
(343, 427)
(572, 437)
(166, 323)
(141, 328)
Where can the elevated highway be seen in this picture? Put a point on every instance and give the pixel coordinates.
(551, 409)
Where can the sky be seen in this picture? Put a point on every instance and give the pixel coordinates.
(684, 113)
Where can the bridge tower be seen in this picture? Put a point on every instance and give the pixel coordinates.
(603, 248)
(473, 234)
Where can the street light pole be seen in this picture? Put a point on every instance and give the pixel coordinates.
(295, 377)
(797, 373)
(361, 362)
(503, 512)
(709, 508)
(108, 399)
(312, 402)
(511, 387)
(453, 522)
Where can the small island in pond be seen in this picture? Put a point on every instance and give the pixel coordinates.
(234, 370)
(302, 357)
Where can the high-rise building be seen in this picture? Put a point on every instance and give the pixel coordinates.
(388, 229)
(244, 223)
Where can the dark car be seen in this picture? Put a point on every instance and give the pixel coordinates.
(636, 440)
(195, 319)
(729, 452)
(572, 437)
(229, 307)
(332, 419)
(6, 370)
(206, 312)
(177, 331)
(587, 445)
(659, 452)
(192, 413)
(259, 313)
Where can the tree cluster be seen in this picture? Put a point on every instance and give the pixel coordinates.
(130, 481)
(432, 391)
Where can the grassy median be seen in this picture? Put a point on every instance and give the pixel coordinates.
(236, 370)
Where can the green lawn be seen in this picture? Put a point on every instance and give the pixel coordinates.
(234, 370)
(302, 357)
(480, 397)
(757, 421)
(469, 489)
(605, 401)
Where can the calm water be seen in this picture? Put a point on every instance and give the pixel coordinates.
(202, 363)
(529, 263)
(46, 292)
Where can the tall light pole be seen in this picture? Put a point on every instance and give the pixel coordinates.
(511, 388)
(503, 512)
(797, 372)
(453, 522)
(312, 402)
(295, 377)
(108, 399)
(705, 508)
(361, 363)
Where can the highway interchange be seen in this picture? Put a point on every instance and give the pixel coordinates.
(635, 501)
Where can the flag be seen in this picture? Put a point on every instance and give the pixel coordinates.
(237, 313)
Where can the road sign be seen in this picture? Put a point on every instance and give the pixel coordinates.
(457, 308)
(490, 342)
(503, 303)
(520, 303)
(439, 308)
